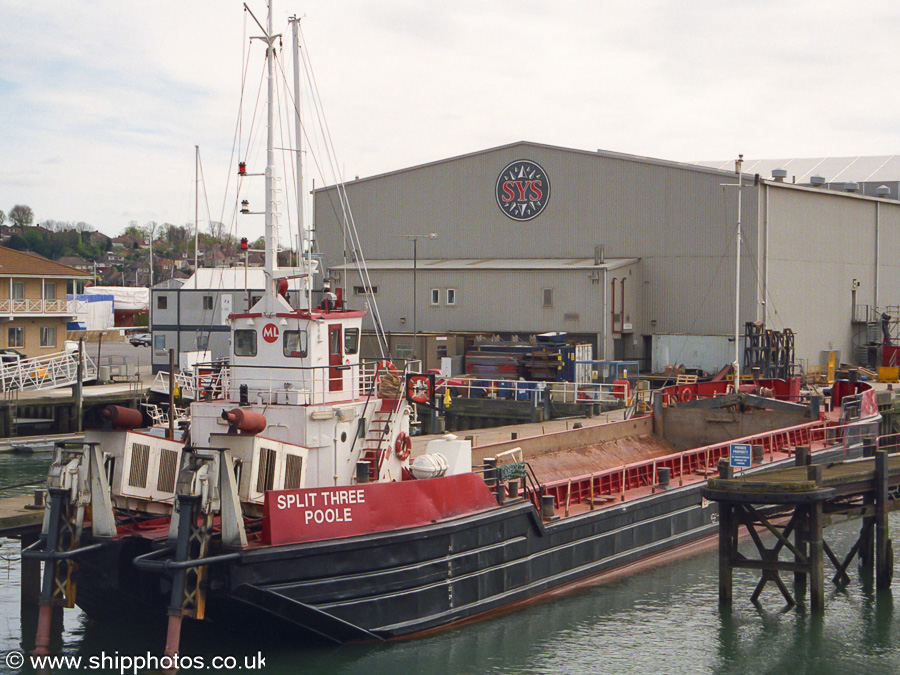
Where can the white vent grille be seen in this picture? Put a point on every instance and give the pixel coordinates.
(168, 467)
(265, 478)
(140, 459)
(293, 471)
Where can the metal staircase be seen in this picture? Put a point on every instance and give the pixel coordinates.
(45, 372)
(378, 432)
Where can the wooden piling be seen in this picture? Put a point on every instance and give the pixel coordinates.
(884, 564)
(727, 540)
(816, 545)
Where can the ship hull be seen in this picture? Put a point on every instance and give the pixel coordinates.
(401, 582)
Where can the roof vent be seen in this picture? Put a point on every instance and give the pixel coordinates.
(779, 175)
(883, 191)
(851, 187)
(817, 181)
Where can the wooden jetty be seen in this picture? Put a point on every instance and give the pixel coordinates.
(797, 501)
(24, 413)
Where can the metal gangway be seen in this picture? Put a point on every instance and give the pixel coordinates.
(52, 371)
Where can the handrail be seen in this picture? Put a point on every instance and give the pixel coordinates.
(703, 459)
(46, 372)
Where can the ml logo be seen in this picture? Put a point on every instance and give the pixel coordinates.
(270, 332)
(523, 190)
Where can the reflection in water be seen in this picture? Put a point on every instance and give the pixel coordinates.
(663, 620)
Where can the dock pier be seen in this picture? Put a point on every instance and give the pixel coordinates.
(798, 501)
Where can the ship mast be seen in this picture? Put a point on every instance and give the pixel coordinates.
(271, 260)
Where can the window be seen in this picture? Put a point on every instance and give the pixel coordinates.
(435, 296)
(49, 290)
(203, 341)
(294, 343)
(16, 336)
(403, 351)
(18, 290)
(451, 296)
(245, 343)
(162, 302)
(442, 351)
(48, 336)
(351, 340)
(159, 343)
(548, 297)
(361, 290)
(207, 302)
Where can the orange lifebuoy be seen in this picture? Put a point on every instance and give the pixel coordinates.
(418, 388)
(685, 395)
(403, 446)
(384, 366)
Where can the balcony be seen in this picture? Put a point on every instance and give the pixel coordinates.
(34, 307)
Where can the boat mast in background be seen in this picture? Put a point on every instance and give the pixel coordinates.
(196, 205)
(737, 280)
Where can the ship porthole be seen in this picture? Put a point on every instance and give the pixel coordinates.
(343, 437)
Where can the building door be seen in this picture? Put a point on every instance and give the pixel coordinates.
(335, 358)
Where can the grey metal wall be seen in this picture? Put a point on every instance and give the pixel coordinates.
(802, 248)
(820, 242)
(678, 219)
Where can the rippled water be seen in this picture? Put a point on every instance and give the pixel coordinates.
(662, 620)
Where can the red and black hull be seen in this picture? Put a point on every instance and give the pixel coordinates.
(404, 581)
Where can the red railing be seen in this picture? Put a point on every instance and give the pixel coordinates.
(613, 483)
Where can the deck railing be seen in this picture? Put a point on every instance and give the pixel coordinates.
(613, 483)
(34, 306)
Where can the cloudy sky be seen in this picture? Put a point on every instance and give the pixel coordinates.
(103, 101)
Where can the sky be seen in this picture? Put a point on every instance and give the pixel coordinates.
(102, 102)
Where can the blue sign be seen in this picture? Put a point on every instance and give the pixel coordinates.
(741, 456)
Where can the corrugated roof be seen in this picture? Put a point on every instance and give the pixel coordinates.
(496, 264)
(20, 263)
(697, 166)
(832, 169)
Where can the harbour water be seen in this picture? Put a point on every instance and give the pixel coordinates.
(665, 619)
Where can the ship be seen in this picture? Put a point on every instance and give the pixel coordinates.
(294, 496)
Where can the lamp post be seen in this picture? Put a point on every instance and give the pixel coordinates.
(415, 240)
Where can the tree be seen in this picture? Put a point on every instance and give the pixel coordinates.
(2, 217)
(217, 230)
(21, 216)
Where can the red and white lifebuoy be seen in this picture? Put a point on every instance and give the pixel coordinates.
(384, 366)
(418, 388)
(403, 446)
(685, 395)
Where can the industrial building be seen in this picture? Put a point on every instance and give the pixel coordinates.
(635, 255)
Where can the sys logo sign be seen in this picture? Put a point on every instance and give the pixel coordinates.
(523, 190)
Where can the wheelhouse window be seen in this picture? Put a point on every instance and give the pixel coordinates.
(16, 336)
(294, 343)
(48, 336)
(351, 340)
(245, 343)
